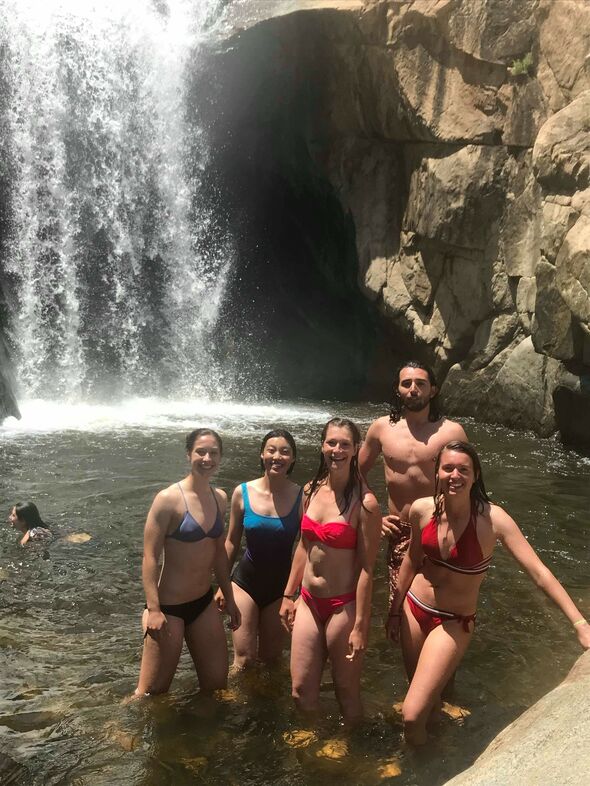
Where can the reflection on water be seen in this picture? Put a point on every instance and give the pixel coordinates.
(70, 637)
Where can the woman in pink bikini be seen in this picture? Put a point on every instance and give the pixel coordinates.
(453, 537)
(333, 565)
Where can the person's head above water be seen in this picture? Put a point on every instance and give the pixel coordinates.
(457, 469)
(415, 388)
(281, 444)
(25, 515)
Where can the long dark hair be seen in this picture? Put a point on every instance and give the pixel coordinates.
(29, 513)
(355, 481)
(396, 406)
(202, 432)
(279, 432)
(478, 493)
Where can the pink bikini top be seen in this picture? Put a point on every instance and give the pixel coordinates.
(337, 534)
(466, 555)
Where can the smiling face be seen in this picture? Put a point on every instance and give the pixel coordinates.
(13, 518)
(338, 448)
(205, 455)
(277, 456)
(414, 388)
(456, 474)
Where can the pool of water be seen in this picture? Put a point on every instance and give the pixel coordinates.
(70, 638)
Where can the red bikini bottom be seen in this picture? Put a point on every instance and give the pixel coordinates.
(429, 618)
(323, 608)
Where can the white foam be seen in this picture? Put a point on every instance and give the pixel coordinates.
(147, 414)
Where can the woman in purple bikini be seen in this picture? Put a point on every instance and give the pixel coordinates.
(185, 525)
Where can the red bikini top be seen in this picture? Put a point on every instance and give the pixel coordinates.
(337, 534)
(466, 555)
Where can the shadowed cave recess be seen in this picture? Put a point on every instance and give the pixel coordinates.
(293, 316)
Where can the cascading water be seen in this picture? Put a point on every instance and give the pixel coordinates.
(115, 263)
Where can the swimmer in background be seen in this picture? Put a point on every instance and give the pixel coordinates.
(25, 517)
(434, 606)
(185, 524)
(268, 510)
(333, 565)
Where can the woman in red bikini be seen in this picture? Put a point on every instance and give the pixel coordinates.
(453, 537)
(333, 565)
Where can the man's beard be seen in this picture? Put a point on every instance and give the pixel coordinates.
(416, 404)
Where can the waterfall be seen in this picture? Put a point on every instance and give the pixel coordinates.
(115, 262)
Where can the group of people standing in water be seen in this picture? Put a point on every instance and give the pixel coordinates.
(307, 570)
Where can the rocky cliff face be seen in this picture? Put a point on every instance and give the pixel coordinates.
(456, 135)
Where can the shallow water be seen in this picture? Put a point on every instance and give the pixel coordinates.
(70, 637)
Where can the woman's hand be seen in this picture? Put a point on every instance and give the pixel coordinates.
(287, 613)
(219, 600)
(155, 624)
(583, 634)
(357, 644)
(235, 618)
(392, 627)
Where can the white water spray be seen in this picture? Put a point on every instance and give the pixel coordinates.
(115, 260)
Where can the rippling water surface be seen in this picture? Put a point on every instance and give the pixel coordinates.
(70, 637)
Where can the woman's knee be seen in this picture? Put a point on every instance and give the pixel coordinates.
(305, 697)
(414, 713)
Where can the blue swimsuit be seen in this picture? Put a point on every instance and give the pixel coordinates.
(264, 569)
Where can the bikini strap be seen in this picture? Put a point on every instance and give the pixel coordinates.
(183, 497)
(215, 498)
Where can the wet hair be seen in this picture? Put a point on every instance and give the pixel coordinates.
(396, 406)
(280, 432)
(355, 481)
(202, 432)
(478, 493)
(29, 513)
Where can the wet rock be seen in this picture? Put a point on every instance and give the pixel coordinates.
(547, 744)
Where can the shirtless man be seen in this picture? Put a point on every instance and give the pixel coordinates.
(410, 439)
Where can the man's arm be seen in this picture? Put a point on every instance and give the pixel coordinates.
(370, 449)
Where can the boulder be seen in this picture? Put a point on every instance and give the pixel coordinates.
(548, 744)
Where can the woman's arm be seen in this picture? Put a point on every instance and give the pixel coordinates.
(221, 568)
(368, 537)
(236, 526)
(411, 564)
(156, 526)
(288, 609)
(510, 535)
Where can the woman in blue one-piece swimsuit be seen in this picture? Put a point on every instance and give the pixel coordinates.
(268, 510)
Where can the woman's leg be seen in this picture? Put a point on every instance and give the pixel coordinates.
(160, 657)
(308, 655)
(346, 673)
(272, 637)
(412, 640)
(245, 638)
(442, 651)
(205, 638)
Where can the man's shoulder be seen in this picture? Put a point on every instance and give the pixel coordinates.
(452, 429)
(379, 427)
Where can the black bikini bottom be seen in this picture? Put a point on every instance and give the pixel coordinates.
(188, 612)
